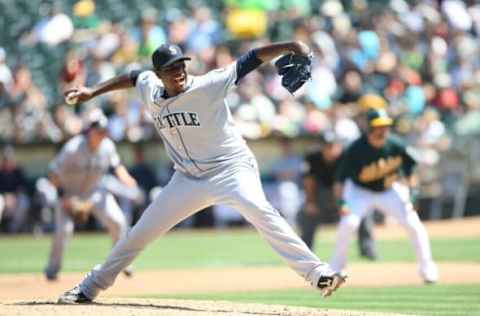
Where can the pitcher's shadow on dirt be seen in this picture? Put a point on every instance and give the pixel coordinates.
(152, 306)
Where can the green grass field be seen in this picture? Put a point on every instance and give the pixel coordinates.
(183, 249)
(438, 300)
(204, 249)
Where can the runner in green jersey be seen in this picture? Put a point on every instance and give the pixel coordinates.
(377, 173)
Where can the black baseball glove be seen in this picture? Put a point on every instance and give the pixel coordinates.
(295, 70)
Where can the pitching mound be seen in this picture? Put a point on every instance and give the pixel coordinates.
(143, 307)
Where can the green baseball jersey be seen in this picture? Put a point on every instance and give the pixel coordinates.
(375, 168)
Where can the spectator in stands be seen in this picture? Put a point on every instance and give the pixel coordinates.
(289, 117)
(30, 116)
(180, 27)
(343, 121)
(56, 27)
(118, 105)
(126, 54)
(351, 88)
(429, 140)
(84, 17)
(104, 42)
(72, 73)
(99, 68)
(5, 73)
(5, 98)
(148, 34)
(246, 19)
(7, 112)
(323, 85)
(13, 192)
(315, 121)
(207, 32)
(264, 109)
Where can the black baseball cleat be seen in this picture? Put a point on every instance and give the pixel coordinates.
(329, 284)
(372, 256)
(51, 276)
(430, 281)
(74, 296)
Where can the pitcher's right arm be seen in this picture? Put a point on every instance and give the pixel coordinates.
(83, 93)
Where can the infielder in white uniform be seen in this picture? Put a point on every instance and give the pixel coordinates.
(76, 172)
(376, 172)
(211, 159)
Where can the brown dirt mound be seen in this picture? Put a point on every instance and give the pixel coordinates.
(143, 307)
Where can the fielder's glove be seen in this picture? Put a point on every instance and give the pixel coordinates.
(295, 70)
(79, 209)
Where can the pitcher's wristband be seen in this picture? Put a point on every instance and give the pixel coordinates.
(414, 193)
(340, 202)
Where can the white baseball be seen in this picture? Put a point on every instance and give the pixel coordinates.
(71, 100)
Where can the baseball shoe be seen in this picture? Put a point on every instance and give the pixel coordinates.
(429, 281)
(370, 255)
(327, 284)
(51, 276)
(74, 296)
(430, 274)
(128, 272)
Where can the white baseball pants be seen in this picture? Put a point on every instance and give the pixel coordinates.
(395, 202)
(238, 186)
(105, 210)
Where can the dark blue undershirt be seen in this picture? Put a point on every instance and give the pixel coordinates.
(246, 63)
(133, 76)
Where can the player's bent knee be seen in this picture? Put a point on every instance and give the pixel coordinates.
(116, 228)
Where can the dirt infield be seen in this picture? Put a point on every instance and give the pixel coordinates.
(30, 294)
(34, 286)
(457, 228)
(143, 307)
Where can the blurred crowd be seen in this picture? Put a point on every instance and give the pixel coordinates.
(417, 59)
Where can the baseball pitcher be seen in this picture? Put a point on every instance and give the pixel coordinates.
(212, 162)
(77, 172)
(377, 173)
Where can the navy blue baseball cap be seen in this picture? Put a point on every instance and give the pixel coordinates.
(167, 54)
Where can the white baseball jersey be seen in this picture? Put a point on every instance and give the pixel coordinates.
(196, 126)
(79, 169)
